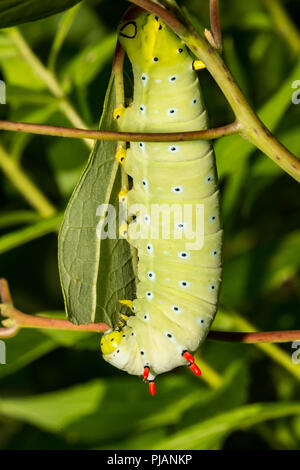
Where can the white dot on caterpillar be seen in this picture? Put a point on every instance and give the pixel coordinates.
(151, 275)
(142, 352)
(147, 219)
(176, 309)
(214, 252)
(212, 287)
(183, 254)
(172, 111)
(168, 280)
(158, 80)
(173, 78)
(145, 183)
(194, 101)
(143, 109)
(166, 252)
(208, 179)
(144, 78)
(133, 308)
(149, 248)
(184, 284)
(201, 321)
(177, 189)
(146, 317)
(173, 148)
(142, 145)
(212, 218)
(149, 295)
(133, 333)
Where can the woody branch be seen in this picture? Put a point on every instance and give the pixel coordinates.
(15, 320)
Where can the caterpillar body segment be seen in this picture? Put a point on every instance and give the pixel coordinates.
(179, 274)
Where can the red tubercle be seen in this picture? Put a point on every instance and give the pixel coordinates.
(152, 387)
(195, 369)
(146, 372)
(188, 356)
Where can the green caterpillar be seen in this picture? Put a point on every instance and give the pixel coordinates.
(177, 288)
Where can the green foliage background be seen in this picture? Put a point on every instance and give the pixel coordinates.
(55, 391)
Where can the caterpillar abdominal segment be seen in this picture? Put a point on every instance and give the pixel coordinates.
(178, 280)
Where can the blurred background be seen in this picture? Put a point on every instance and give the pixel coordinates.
(56, 392)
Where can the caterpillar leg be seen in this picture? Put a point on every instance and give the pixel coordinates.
(128, 303)
(188, 356)
(123, 195)
(118, 112)
(121, 155)
(198, 65)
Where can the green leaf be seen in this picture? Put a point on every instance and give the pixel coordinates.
(56, 410)
(85, 411)
(176, 396)
(206, 434)
(13, 12)
(95, 273)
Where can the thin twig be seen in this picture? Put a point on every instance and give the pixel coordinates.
(42, 129)
(18, 319)
(215, 23)
(259, 337)
(252, 127)
(24, 320)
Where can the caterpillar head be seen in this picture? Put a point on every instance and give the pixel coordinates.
(147, 38)
(110, 341)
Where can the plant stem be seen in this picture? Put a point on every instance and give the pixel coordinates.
(272, 350)
(42, 129)
(26, 187)
(215, 23)
(23, 320)
(48, 78)
(34, 321)
(254, 338)
(252, 127)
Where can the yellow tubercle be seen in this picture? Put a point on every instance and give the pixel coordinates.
(124, 317)
(110, 341)
(198, 65)
(120, 155)
(123, 195)
(123, 230)
(118, 112)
